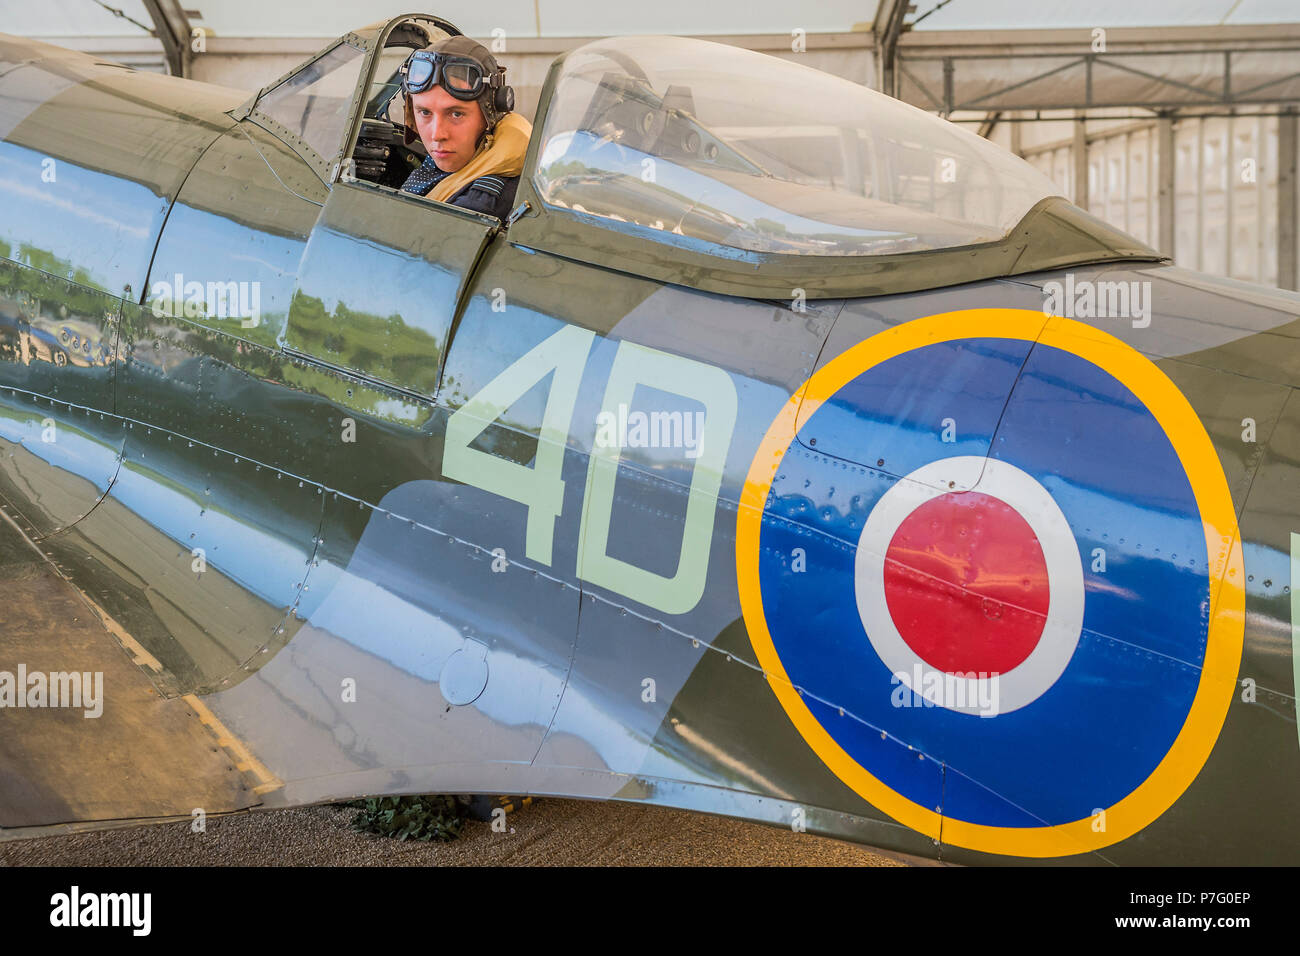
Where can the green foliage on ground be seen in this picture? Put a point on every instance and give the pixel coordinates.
(429, 817)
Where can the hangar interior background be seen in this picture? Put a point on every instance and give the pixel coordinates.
(1175, 120)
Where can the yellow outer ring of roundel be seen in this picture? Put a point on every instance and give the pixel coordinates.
(1195, 451)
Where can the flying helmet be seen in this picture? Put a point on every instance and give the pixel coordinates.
(466, 70)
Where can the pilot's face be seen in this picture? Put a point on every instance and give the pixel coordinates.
(448, 127)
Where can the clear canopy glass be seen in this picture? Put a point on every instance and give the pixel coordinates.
(313, 103)
(753, 152)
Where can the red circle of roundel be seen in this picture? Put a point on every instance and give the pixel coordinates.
(981, 555)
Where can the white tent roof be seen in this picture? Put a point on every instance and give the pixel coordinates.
(519, 18)
(1066, 14)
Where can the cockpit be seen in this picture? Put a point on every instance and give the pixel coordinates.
(765, 155)
(315, 103)
(702, 140)
(704, 164)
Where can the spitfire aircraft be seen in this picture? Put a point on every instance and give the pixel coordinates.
(787, 453)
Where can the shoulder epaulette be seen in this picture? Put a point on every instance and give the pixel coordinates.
(489, 184)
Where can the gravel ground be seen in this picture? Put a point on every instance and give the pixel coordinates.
(547, 833)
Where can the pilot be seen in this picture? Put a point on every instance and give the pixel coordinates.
(458, 103)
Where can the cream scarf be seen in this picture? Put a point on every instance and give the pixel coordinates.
(502, 154)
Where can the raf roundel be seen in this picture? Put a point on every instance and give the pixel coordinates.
(1025, 565)
(1021, 640)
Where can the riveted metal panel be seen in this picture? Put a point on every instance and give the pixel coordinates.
(60, 444)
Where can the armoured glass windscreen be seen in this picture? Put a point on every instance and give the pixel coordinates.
(758, 153)
(313, 103)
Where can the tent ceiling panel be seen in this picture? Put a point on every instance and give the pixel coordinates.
(518, 18)
(1064, 69)
(1057, 14)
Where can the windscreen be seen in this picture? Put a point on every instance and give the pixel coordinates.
(313, 103)
(762, 154)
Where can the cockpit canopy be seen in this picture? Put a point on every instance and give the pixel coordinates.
(765, 155)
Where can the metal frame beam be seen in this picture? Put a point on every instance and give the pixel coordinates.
(1165, 196)
(172, 28)
(963, 63)
(1079, 154)
(989, 123)
(1287, 191)
(888, 29)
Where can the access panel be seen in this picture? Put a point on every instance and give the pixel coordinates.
(379, 283)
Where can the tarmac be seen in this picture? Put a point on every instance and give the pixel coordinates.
(545, 833)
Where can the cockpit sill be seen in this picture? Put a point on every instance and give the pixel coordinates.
(1053, 234)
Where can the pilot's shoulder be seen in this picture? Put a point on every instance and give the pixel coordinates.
(495, 185)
